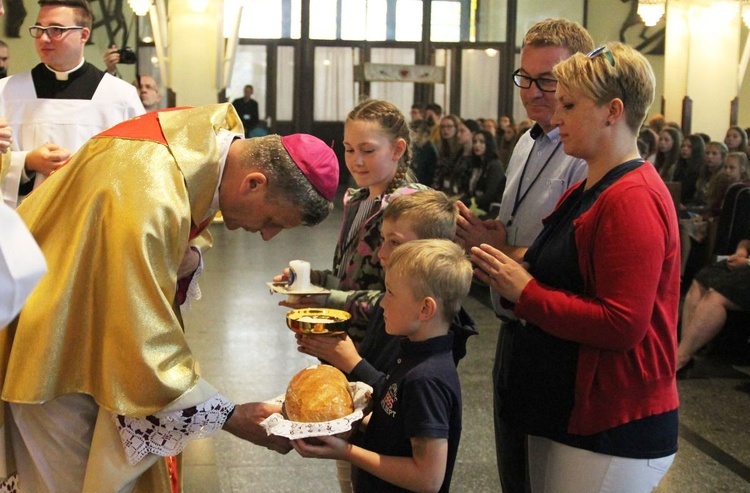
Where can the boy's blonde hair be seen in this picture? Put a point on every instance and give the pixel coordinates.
(617, 71)
(435, 268)
(431, 214)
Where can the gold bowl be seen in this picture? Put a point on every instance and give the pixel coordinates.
(318, 321)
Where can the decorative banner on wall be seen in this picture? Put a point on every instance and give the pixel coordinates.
(382, 72)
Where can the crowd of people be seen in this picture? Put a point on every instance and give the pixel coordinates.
(465, 158)
(101, 383)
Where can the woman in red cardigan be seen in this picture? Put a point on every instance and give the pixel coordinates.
(592, 376)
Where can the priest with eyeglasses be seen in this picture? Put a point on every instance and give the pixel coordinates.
(62, 102)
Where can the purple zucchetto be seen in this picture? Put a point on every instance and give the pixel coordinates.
(316, 160)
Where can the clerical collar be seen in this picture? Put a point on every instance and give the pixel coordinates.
(224, 140)
(66, 74)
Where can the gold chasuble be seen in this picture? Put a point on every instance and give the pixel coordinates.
(113, 225)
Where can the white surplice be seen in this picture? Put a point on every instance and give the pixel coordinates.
(65, 122)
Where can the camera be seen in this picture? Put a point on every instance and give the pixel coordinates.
(127, 56)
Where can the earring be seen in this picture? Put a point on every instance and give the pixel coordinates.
(607, 123)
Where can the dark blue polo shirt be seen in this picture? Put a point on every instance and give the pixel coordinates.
(421, 398)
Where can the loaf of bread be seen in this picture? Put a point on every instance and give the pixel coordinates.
(319, 393)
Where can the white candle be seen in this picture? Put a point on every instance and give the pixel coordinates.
(299, 275)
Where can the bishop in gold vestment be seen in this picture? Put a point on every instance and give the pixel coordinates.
(98, 340)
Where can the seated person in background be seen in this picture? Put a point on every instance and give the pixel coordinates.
(487, 178)
(736, 139)
(417, 113)
(453, 175)
(711, 187)
(656, 123)
(490, 126)
(422, 215)
(670, 141)
(737, 167)
(411, 440)
(651, 139)
(707, 192)
(689, 165)
(506, 142)
(524, 126)
(718, 288)
(642, 149)
(424, 153)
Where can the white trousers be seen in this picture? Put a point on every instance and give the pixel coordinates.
(71, 445)
(558, 468)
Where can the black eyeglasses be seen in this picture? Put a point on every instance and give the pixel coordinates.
(611, 59)
(543, 83)
(53, 32)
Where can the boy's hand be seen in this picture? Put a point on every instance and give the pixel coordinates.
(325, 448)
(336, 350)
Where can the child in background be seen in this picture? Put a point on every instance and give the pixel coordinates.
(424, 161)
(736, 139)
(412, 437)
(377, 151)
(707, 190)
(427, 214)
(694, 231)
(487, 180)
(736, 167)
(687, 170)
(670, 140)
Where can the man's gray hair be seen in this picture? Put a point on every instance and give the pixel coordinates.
(286, 181)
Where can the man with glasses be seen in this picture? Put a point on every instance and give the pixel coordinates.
(63, 101)
(538, 173)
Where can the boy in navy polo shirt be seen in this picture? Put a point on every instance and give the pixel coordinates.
(412, 437)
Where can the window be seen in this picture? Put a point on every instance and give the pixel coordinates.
(334, 82)
(285, 83)
(408, 21)
(399, 93)
(445, 24)
(263, 19)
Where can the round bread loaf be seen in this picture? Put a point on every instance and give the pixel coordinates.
(319, 393)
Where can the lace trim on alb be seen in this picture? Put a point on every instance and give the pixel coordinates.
(168, 433)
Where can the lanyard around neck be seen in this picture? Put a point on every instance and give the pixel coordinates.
(520, 198)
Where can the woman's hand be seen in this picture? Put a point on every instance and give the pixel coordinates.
(502, 273)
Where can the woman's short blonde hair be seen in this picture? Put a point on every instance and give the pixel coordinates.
(617, 71)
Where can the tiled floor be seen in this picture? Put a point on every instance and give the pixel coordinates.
(239, 336)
